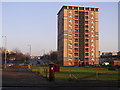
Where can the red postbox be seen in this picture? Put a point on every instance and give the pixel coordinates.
(51, 72)
(52, 69)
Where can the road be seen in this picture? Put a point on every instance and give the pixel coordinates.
(20, 78)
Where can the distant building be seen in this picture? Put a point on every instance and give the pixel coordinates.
(78, 36)
(111, 57)
(109, 53)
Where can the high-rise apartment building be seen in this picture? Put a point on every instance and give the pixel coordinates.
(78, 36)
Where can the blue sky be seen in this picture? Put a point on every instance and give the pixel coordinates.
(36, 24)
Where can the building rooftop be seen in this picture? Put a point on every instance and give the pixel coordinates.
(64, 6)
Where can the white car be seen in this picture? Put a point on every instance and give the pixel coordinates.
(9, 65)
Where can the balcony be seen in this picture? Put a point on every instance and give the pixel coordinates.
(76, 36)
(76, 31)
(76, 13)
(86, 36)
(76, 17)
(76, 22)
(76, 50)
(76, 55)
(86, 46)
(75, 60)
(76, 45)
(86, 31)
(86, 22)
(86, 55)
(86, 42)
(86, 50)
(76, 40)
(86, 27)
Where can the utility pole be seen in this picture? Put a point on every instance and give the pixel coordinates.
(29, 50)
(5, 51)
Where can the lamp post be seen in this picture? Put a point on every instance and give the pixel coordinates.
(5, 51)
(29, 50)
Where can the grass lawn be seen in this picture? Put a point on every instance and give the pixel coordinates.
(79, 73)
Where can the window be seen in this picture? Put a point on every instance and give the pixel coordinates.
(96, 9)
(86, 49)
(76, 21)
(70, 41)
(70, 15)
(76, 48)
(76, 58)
(76, 12)
(87, 8)
(92, 40)
(76, 17)
(70, 20)
(86, 22)
(86, 40)
(76, 44)
(75, 7)
(70, 34)
(70, 25)
(92, 13)
(76, 40)
(75, 62)
(76, 54)
(70, 7)
(92, 35)
(86, 13)
(70, 46)
(92, 26)
(86, 54)
(92, 31)
(86, 45)
(76, 26)
(86, 17)
(86, 58)
(65, 7)
(76, 35)
(86, 35)
(92, 49)
(86, 31)
(70, 11)
(92, 17)
(92, 9)
(86, 26)
(69, 56)
(92, 21)
(76, 29)
(92, 45)
(92, 53)
(70, 63)
(81, 8)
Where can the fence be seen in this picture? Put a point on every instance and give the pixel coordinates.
(78, 73)
(42, 71)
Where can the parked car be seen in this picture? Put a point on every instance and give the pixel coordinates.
(97, 65)
(10, 64)
(21, 64)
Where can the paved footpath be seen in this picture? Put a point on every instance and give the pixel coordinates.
(23, 79)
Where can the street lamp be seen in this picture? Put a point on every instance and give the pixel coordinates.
(29, 49)
(43, 51)
(5, 51)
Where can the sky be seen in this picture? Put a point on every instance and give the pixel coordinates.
(35, 24)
